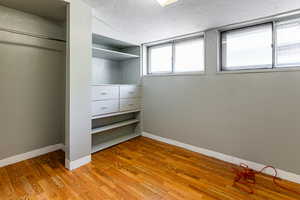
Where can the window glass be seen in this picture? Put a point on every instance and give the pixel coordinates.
(189, 55)
(160, 58)
(247, 48)
(288, 43)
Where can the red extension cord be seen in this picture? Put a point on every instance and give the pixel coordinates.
(246, 176)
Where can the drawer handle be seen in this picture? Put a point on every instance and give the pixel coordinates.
(131, 104)
(103, 93)
(131, 92)
(103, 108)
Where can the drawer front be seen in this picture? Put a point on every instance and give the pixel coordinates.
(130, 91)
(104, 107)
(105, 92)
(129, 104)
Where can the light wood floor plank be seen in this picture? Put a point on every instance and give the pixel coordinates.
(139, 169)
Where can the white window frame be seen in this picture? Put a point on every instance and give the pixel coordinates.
(173, 41)
(273, 21)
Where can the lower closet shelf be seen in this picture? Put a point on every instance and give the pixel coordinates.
(115, 141)
(115, 125)
(115, 114)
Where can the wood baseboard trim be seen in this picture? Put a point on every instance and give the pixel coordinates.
(227, 158)
(30, 154)
(71, 165)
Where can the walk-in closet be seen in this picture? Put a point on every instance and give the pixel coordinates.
(32, 75)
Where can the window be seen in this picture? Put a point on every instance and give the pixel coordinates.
(288, 43)
(179, 56)
(247, 48)
(189, 56)
(264, 46)
(160, 58)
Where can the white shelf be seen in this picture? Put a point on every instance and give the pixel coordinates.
(113, 142)
(106, 41)
(115, 114)
(115, 125)
(111, 54)
(138, 85)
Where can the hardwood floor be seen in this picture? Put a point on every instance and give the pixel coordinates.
(138, 169)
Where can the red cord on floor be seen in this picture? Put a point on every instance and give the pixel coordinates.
(246, 176)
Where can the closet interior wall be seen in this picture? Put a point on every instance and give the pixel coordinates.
(32, 82)
(105, 71)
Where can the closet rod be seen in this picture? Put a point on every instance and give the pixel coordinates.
(31, 34)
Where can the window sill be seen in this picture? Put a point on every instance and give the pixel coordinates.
(177, 74)
(248, 71)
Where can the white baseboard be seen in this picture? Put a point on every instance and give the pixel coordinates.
(30, 154)
(63, 148)
(227, 158)
(71, 165)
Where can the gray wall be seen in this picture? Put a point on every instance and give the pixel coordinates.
(31, 84)
(254, 116)
(106, 71)
(131, 71)
(78, 110)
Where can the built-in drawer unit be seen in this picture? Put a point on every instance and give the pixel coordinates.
(105, 92)
(129, 104)
(104, 107)
(130, 91)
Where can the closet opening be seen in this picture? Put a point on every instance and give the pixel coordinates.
(32, 75)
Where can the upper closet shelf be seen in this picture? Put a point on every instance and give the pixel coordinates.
(111, 54)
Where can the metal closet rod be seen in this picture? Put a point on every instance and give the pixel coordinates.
(31, 34)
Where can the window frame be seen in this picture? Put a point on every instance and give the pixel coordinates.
(173, 42)
(274, 67)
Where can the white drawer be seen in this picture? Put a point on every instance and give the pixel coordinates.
(130, 91)
(104, 107)
(129, 104)
(105, 92)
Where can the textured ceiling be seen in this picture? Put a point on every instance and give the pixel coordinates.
(146, 20)
(51, 9)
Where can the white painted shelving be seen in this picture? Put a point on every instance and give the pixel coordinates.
(111, 54)
(115, 125)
